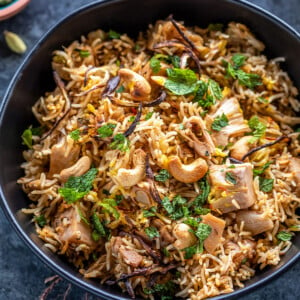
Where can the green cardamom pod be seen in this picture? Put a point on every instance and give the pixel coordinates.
(14, 42)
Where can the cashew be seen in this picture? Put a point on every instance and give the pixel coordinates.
(139, 87)
(78, 169)
(241, 147)
(130, 177)
(187, 173)
(63, 155)
(184, 238)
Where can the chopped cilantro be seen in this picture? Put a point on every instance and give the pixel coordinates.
(149, 115)
(258, 128)
(229, 177)
(98, 226)
(120, 142)
(75, 134)
(83, 53)
(266, 184)
(109, 206)
(106, 130)
(41, 220)
(181, 81)
(162, 176)
(113, 34)
(121, 89)
(150, 212)
(76, 187)
(260, 171)
(152, 232)
(155, 65)
(219, 122)
(284, 236)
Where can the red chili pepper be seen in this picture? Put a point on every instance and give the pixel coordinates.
(222, 188)
(133, 110)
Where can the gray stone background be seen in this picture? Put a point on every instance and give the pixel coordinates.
(22, 274)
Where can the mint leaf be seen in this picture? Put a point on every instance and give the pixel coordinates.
(238, 60)
(229, 177)
(258, 128)
(214, 89)
(98, 226)
(41, 220)
(109, 206)
(120, 142)
(76, 187)
(155, 65)
(284, 236)
(149, 115)
(150, 212)
(162, 176)
(257, 172)
(181, 81)
(152, 232)
(266, 184)
(113, 34)
(219, 122)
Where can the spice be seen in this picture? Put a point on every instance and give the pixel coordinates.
(14, 42)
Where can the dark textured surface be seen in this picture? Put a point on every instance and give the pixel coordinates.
(21, 273)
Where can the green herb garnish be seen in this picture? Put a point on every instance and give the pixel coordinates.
(120, 142)
(262, 100)
(121, 89)
(231, 178)
(82, 217)
(149, 115)
(76, 187)
(258, 128)
(41, 220)
(260, 171)
(152, 232)
(113, 34)
(83, 53)
(284, 236)
(266, 184)
(249, 80)
(155, 65)
(176, 209)
(150, 212)
(181, 81)
(220, 122)
(98, 226)
(29, 133)
(162, 176)
(106, 130)
(75, 134)
(109, 206)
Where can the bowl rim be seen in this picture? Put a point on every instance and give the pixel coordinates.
(78, 281)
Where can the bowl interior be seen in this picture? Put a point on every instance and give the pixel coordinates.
(35, 78)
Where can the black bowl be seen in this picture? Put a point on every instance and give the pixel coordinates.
(34, 78)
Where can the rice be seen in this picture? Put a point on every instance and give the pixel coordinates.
(127, 225)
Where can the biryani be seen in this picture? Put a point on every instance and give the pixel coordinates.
(167, 166)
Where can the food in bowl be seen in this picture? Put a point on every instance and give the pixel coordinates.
(166, 165)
